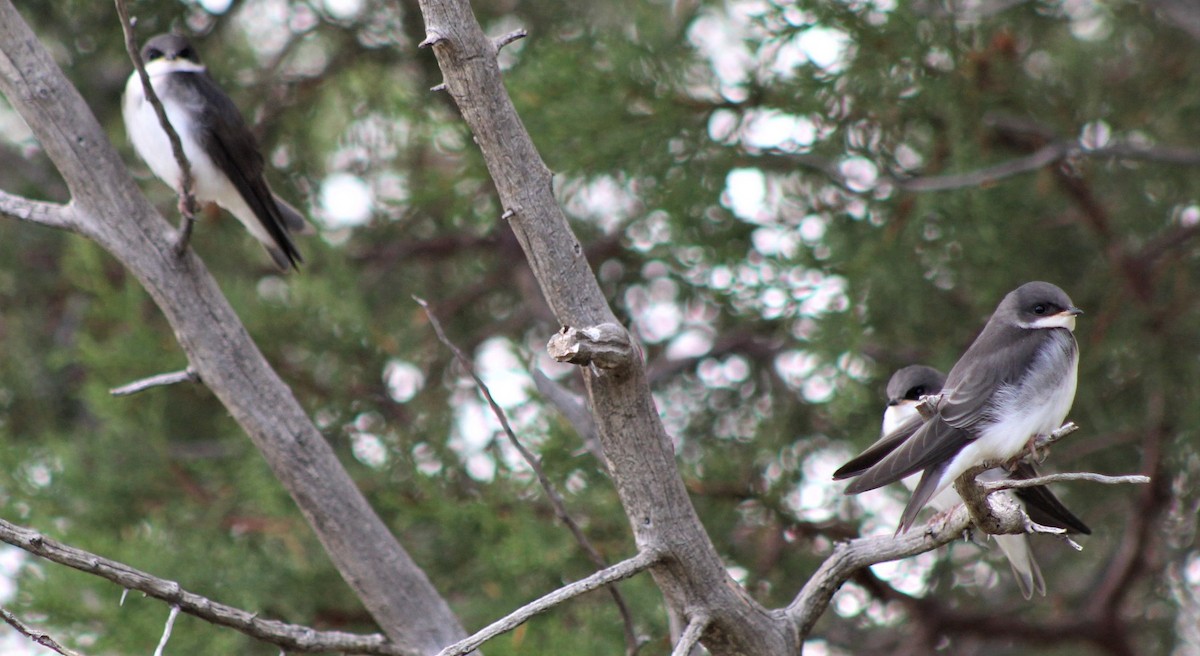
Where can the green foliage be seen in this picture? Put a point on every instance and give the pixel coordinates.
(649, 113)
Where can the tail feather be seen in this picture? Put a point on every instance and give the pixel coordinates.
(930, 485)
(1024, 565)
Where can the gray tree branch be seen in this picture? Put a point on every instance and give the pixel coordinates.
(35, 211)
(291, 637)
(187, 197)
(619, 572)
(639, 453)
(108, 208)
(556, 500)
(40, 637)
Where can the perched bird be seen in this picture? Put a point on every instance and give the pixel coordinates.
(1016, 381)
(905, 390)
(227, 168)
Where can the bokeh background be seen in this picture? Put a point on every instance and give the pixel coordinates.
(786, 201)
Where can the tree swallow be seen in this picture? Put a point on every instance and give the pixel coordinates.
(227, 168)
(905, 390)
(1016, 381)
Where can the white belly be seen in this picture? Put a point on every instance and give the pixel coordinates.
(210, 185)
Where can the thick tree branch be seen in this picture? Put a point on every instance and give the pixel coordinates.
(291, 637)
(639, 453)
(619, 572)
(849, 557)
(111, 210)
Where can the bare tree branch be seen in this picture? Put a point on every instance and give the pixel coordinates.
(849, 557)
(35, 211)
(640, 454)
(167, 628)
(1012, 483)
(691, 635)
(40, 637)
(111, 210)
(188, 375)
(985, 176)
(619, 572)
(187, 204)
(556, 500)
(291, 637)
(506, 39)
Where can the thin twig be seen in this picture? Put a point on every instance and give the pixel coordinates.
(987, 175)
(162, 642)
(1012, 484)
(186, 182)
(574, 409)
(691, 635)
(619, 572)
(292, 637)
(556, 500)
(188, 375)
(40, 637)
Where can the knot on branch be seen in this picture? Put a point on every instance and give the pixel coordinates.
(1000, 515)
(606, 346)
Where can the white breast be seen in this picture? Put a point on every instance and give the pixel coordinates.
(150, 141)
(1035, 405)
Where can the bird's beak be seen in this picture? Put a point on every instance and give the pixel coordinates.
(1064, 319)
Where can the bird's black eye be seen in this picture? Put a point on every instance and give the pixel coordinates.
(153, 53)
(187, 53)
(1040, 309)
(915, 393)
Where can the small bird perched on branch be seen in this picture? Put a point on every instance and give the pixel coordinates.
(901, 419)
(227, 168)
(1016, 381)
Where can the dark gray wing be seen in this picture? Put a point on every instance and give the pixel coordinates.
(934, 442)
(999, 356)
(879, 450)
(228, 142)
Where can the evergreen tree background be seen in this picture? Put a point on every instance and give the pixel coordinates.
(751, 183)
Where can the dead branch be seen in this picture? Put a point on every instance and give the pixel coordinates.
(691, 635)
(1012, 484)
(849, 557)
(110, 209)
(619, 572)
(556, 500)
(40, 637)
(290, 637)
(188, 375)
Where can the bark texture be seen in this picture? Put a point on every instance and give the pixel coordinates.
(107, 207)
